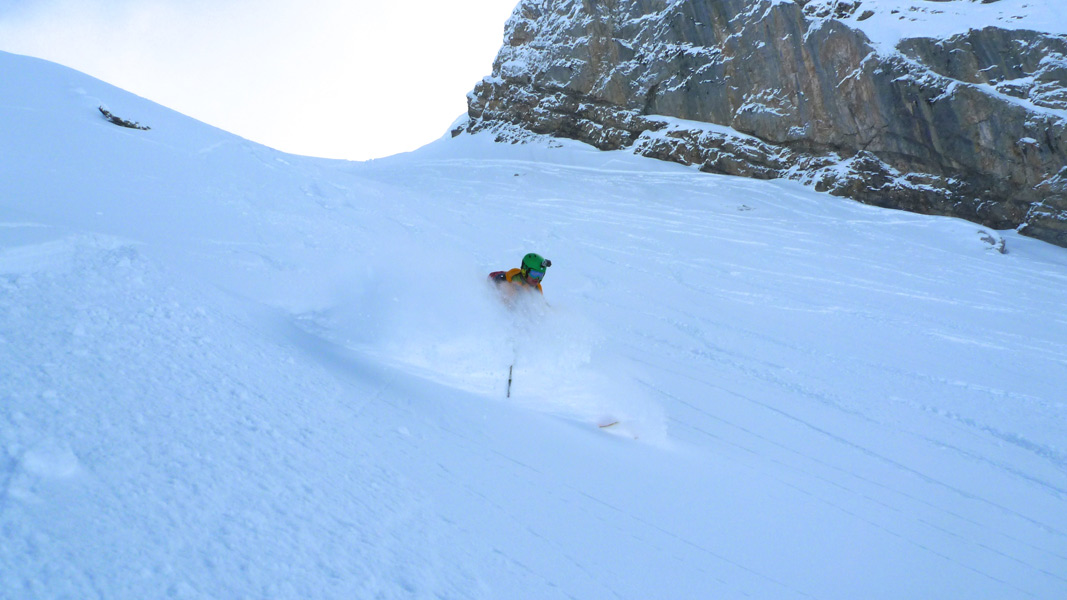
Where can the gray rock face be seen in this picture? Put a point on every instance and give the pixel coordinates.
(972, 126)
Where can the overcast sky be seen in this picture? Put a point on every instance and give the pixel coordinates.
(353, 79)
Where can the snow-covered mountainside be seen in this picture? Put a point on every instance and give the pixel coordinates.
(227, 372)
(948, 107)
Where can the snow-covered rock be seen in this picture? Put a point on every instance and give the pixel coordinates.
(956, 108)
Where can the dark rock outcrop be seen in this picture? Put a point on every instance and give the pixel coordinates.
(974, 126)
(111, 118)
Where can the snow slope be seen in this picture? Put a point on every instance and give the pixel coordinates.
(227, 372)
(887, 22)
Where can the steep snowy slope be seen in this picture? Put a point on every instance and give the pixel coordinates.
(230, 372)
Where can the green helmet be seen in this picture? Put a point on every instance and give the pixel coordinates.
(534, 267)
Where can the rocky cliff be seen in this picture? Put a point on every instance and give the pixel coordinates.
(971, 124)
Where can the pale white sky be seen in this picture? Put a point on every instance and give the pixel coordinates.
(353, 79)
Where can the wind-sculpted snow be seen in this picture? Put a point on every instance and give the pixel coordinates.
(227, 372)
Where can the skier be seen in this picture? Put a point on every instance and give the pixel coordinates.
(527, 277)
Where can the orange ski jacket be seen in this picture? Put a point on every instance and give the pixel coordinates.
(514, 277)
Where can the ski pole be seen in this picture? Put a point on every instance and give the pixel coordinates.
(509, 379)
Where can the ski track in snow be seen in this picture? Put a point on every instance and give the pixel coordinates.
(869, 286)
(228, 372)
